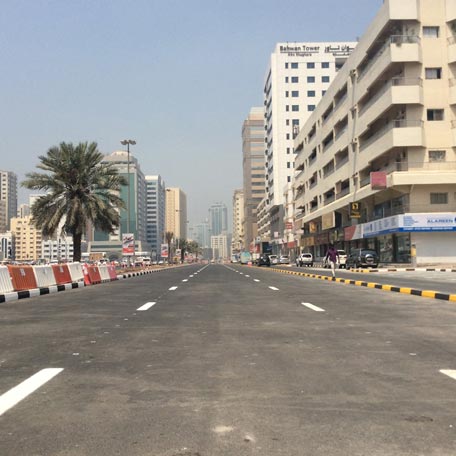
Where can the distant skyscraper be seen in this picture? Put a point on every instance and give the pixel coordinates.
(176, 212)
(238, 219)
(8, 199)
(218, 219)
(253, 171)
(202, 236)
(137, 207)
(156, 212)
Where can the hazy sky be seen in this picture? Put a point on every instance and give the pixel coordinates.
(178, 76)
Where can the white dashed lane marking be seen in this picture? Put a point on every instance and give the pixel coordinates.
(21, 391)
(185, 280)
(173, 288)
(311, 306)
(450, 373)
(256, 280)
(274, 288)
(146, 306)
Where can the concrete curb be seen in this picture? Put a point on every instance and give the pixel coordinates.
(424, 293)
(364, 271)
(15, 295)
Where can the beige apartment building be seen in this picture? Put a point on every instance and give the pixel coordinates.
(237, 242)
(376, 164)
(27, 245)
(176, 212)
(253, 172)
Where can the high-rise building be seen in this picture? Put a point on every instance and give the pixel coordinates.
(8, 199)
(218, 219)
(253, 171)
(297, 77)
(376, 163)
(238, 219)
(176, 212)
(202, 236)
(219, 245)
(133, 215)
(156, 212)
(27, 239)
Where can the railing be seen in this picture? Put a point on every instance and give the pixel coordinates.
(410, 166)
(410, 208)
(330, 199)
(342, 162)
(312, 184)
(328, 144)
(389, 126)
(393, 39)
(340, 101)
(342, 193)
(340, 133)
(328, 172)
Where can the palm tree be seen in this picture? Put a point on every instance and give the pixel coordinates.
(79, 189)
(183, 244)
(169, 235)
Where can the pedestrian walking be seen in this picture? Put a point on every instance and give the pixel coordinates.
(332, 255)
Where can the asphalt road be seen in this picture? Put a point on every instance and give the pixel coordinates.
(234, 361)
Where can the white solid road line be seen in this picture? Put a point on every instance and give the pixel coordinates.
(21, 391)
(147, 306)
(274, 288)
(311, 306)
(173, 288)
(450, 373)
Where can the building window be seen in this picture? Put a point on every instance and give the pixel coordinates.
(323, 92)
(287, 108)
(294, 65)
(295, 93)
(310, 107)
(295, 122)
(433, 73)
(311, 93)
(434, 114)
(310, 79)
(287, 122)
(288, 178)
(294, 79)
(431, 32)
(437, 156)
(310, 65)
(287, 136)
(295, 108)
(288, 150)
(288, 165)
(287, 93)
(439, 198)
(325, 64)
(325, 79)
(286, 65)
(286, 79)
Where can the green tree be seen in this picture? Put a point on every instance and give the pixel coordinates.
(169, 235)
(79, 189)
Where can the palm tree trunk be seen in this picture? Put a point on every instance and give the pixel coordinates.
(77, 240)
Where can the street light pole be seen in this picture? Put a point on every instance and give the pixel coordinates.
(127, 142)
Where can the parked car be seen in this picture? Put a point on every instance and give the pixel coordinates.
(304, 259)
(284, 259)
(342, 260)
(362, 258)
(274, 259)
(263, 260)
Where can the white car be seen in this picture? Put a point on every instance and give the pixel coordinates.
(305, 259)
(274, 259)
(284, 259)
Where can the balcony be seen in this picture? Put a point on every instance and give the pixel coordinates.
(396, 133)
(396, 91)
(451, 49)
(398, 48)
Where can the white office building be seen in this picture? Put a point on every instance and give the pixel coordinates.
(156, 208)
(297, 77)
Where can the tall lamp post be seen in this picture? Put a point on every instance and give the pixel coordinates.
(127, 142)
